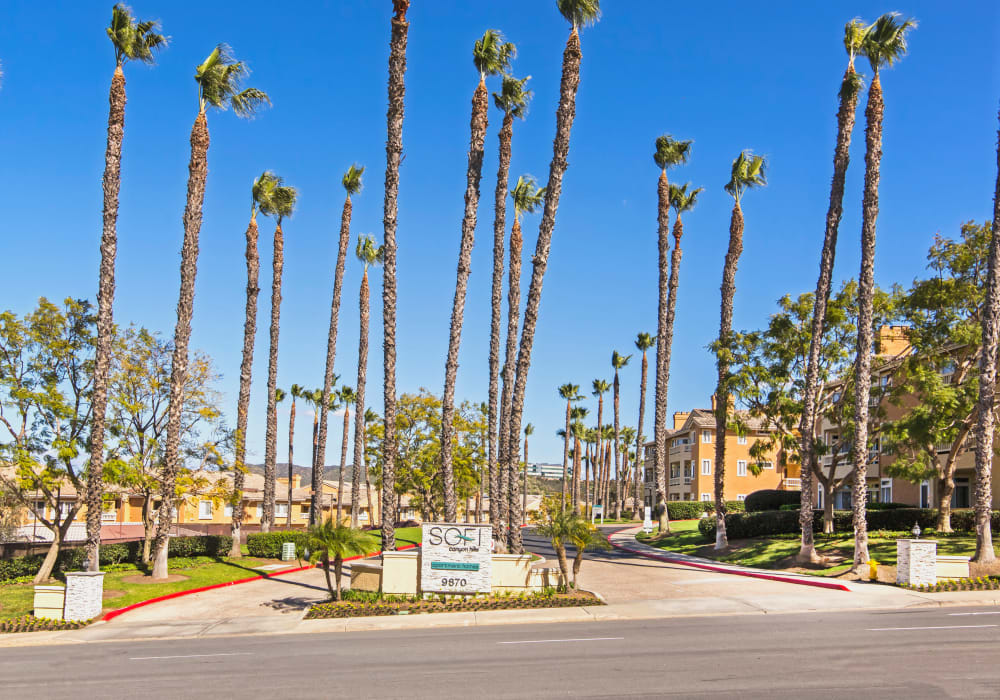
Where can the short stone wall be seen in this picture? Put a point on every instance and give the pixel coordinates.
(916, 562)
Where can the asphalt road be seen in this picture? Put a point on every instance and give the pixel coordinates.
(926, 653)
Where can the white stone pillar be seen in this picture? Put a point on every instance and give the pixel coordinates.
(84, 595)
(916, 562)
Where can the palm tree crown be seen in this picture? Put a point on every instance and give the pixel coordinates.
(262, 192)
(682, 200)
(601, 386)
(219, 78)
(748, 171)
(618, 360)
(884, 42)
(133, 40)
(513, 99)
(527, 195)
(580, 13)
(570, 392)
(352, 179)
(281, 203)
(491, 54)
(347, 395)
(529, 429)
(671, 152)
(368, 252)
(644, 341)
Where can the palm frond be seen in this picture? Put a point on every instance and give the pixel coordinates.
(644, 341)
(352, 179)
(527, 195)
(284, 200)
(580, 13)
(491, 54)
(133, 40)
(513, 97)
(854, 36)
(682, 200)
(246, 102)
(219, 79)
(618, 360)
(885, 41)
(262, 192)
(748, 171)
(670, 152)
(368, 252)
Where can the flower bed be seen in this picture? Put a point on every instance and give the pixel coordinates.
(30, 623)
(981, 583)
(374, 605)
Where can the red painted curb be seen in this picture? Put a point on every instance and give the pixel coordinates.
(724, 570)
(112, 614)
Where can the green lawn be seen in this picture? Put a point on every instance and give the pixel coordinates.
(773, 552)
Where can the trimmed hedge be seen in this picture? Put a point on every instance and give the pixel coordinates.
(771, 499)
(267, 545)
(691, 510)
(71, 558)
(783, 522)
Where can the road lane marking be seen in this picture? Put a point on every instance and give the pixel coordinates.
(553, 641)
(189, 656)
(974, 613)
(942, 627)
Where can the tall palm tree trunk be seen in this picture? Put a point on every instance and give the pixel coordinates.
(359, 408)
(197, 175)
(660, 392)
(343, 464)
(331, 355)
(496, 294)
(271, 430)
(672, 285)
(562, 503)
(987, 388)
(480, 111)
(639, 448)
(618, 462)
(498, 517)
(807, 427)
(577, 460)
(111, 184)
(866, 283)
(291, 445)
(722, 388)
(524, 485)
(560, 149)
(246, 373)
(600, 449)
(393, 155)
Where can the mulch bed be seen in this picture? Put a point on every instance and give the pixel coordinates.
(30, 623)
(347, 608)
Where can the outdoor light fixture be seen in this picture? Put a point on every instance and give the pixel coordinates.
(916, 530)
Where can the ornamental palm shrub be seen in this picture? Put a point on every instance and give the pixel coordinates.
(329, 540)
(584, 536)
(558, 527)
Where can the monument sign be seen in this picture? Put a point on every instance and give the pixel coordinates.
(455, 558)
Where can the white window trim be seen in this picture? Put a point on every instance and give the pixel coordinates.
(885, 484)
(259, 512)
(706, 467)
(741, 497)
(201, 510)
(304, 510)
(281, 510)
(766, 465)
(741, 439)
(706, 497)
(741, 467)
(706, 436)
(227, 510)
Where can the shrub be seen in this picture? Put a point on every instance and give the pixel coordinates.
(267, 545)
(887, 506)
(770, 499)
(201, 546)
(686, 510)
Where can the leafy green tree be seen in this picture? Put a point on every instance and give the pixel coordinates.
(939, 382)
(884, 43)
(46, 382)
(669, 153)
(748, 172)
(336, 541)
(133, 41)
(219, 80)
(352, 182)
(578, 13)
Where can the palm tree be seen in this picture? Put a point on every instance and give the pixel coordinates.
(600, 387)
(370, 417)
(669, 153)
(347, 397)
(987, 388)
(748, 172)
(577, 415)
(643, 342)
(513, 100)
(296, 392)
(282, 205)
(570, 392)
(352, 186)
(850, 88)
(132, 41)
(628, 437)
(369, 254)
(336, 541)
(260, 194)
(529, 429)
(491, 56)
(557, 528)
(393, 157)
(617, 362)
(527, 197)
(578, 13)
(218, 79)
(884, 43)
(583, 536)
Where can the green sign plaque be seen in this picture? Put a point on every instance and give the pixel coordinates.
(454, 566)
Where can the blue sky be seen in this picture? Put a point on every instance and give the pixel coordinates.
(728, 75)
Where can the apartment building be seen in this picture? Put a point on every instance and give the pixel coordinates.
(691, 461)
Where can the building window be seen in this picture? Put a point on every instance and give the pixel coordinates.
(259, 512)
(886, 491)
(741, 497)
(204, 510)
(706, 436)
(305, 510)
(706, 467)
(741, 467)
(819, 496)
(688, 469)
(766, 465)
(110, 513)
(281, 510)
(363, 515)
(706, 497)
(925, 494)
(741, 439)
(227, 510)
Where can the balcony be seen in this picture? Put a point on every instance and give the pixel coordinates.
(680, 450)
(675, 481)
(793, 484)
(687, 479)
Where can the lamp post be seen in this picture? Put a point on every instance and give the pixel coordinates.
(916, 530)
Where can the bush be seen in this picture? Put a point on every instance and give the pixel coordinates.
(267, 545)
(407, 523)
(201, 546)
(887, 506)
(771, 499)
(687, 510)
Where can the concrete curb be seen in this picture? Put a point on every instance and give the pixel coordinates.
(725, 569)
(112, 614)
